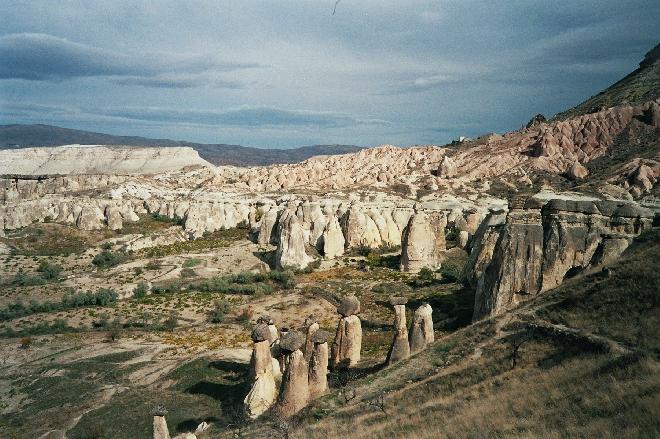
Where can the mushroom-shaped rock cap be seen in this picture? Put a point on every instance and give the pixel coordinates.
(309, 321)
(292, 341)
(398, 301)
(265, 319)
(350, 305)
(260, 332)
(320, 336)
(159, 410)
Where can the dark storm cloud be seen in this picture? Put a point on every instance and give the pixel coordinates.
(239, 117)
(43, 57)
(435, 69)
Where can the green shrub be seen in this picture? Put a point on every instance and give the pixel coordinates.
(187, 272)
(107, 259)
(48, 270)
(172, 321)
(192, 262)
(424, 278)
(220, 309)
(140, 291)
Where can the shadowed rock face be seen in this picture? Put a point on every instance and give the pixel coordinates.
(536, 249)
(421, 330)
(295, 387)
(318, 365)
(400, 349)
(347, 343)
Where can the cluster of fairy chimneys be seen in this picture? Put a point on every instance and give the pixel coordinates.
(290, 369)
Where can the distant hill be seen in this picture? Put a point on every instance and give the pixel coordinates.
(641, 85)
(26, 136)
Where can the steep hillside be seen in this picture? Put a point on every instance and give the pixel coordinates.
(580, 361)
(641, 85)
(25, 136)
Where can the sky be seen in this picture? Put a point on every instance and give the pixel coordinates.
(287, 73)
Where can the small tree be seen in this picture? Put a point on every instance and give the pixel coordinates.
(114, 330)
(48, 270)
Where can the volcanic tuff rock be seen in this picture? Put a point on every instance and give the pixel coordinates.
(347, 344)
(400, 348)
(421, 330)
(294, 394)
(423, 242)
(76, 159)
(535, 248)
(318, 365)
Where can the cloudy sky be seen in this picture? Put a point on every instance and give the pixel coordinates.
(285, 73)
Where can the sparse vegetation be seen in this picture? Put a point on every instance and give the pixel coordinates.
(107, 259)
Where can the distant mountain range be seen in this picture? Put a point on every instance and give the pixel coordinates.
(27, 136)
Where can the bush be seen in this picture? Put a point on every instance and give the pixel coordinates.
(24, 280)
(220, 309)
(165, 289)
(187, 272)
(172, 321)
(140, 291)
(192, 262)
(103, 297)
(424, 278)
(153, 265)
(48, 270)
(115, 330)
(108, 259)
(26, 342)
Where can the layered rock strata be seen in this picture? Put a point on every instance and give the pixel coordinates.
(535, 247)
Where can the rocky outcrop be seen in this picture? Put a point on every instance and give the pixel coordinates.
(577, 171)
(333, 239)
(421, 330)
(347, 344)
(318, 365)
(536, 247)
(294, 393)
(447, 168)
(292, 246)
(423, 242)
(400, 349)
(77, 159)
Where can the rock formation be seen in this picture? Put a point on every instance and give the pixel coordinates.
(292, 245)
(318, 365)
(447, 168)
(160, 424)
(400, 349)
(76, 159)
(577, 171)
(333, 239)
(348, 338)
(423, 242)
(311, 326)
(263, 393)
(536, 246)
(294, 393)
(421, 330)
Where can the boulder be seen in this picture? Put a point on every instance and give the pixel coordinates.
(577, 171)
(349, 305)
